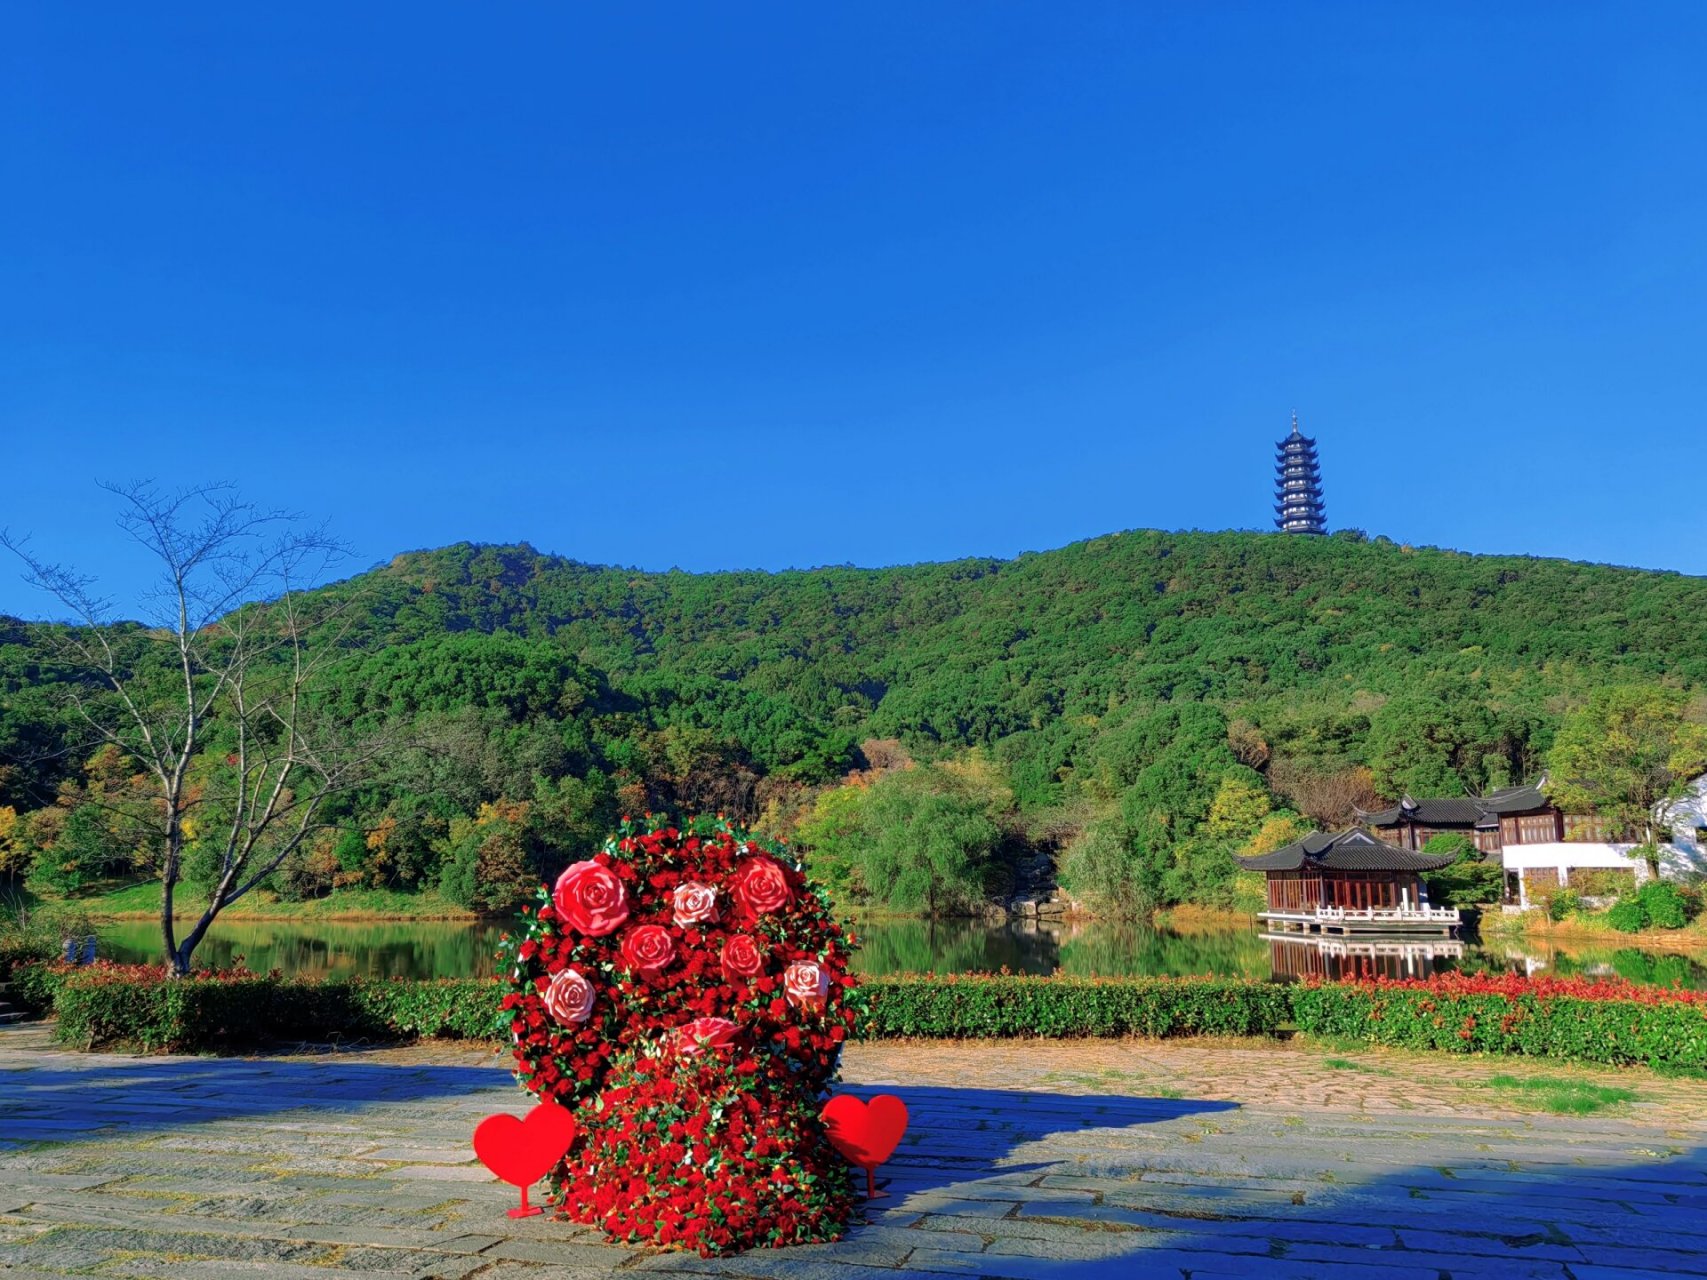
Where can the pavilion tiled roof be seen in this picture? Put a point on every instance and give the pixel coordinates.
(1461, 811)
(1353, 850)
(1515, 799)
(1440, 811)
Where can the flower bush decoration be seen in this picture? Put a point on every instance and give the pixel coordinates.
(694, 972)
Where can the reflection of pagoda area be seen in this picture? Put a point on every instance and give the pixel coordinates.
(1295, 956)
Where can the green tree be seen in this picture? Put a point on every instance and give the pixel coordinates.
(1098, 866)
(1470, 881)
(78, 854)
(923, 838)
(1624, 755)
(489, 864)
(1431, 744)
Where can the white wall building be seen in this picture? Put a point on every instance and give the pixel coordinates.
(1682, 856)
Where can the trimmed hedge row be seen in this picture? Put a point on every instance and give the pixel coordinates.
(979, 1006)
(200, 1014)
(128, 1005)
(1615, 1032)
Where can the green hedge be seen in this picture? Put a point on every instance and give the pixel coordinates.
(114, 1006)
(980, 1006)
(198, 1014)
(1615, 1032)
(32, 986)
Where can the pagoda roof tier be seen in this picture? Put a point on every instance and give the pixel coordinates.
(1352, 850)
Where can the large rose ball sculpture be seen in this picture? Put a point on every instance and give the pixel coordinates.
(686, 993)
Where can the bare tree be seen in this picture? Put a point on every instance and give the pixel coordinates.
(208, 697)
(1331, 797)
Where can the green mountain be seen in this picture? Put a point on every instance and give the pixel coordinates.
(1290, 661)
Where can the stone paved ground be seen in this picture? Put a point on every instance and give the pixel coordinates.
(1037, 1160)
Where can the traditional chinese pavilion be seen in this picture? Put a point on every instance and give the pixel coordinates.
(1350, 882)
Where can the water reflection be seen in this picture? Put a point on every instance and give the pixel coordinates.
(383, 949)
(1291, 956)
(444, 949)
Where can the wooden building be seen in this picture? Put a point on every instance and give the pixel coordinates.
(1350, 882)
(1539, 847)
(1509, 816)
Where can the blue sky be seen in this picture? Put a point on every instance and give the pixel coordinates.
(737, 286)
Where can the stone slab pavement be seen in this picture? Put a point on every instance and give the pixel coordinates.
(1037, 1160)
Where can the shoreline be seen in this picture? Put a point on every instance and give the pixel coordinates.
(1688, 939)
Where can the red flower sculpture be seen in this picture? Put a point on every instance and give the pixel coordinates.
(647, 949)
(591, 899)
(741, 958)
(673, 953)
(761, 886)
(704, 1035)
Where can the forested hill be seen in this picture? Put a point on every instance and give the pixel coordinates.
(1142, 664)
(1306, 637)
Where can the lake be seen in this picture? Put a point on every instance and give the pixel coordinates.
(448, 949)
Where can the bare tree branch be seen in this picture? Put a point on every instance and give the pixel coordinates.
(242, 652)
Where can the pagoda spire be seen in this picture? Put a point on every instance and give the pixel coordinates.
(1298, 505)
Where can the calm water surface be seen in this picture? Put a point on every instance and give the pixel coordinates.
(447, 949)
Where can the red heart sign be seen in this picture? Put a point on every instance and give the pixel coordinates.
(865, 1133)
(521, 1152)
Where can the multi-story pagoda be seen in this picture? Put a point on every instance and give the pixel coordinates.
(1298, 506)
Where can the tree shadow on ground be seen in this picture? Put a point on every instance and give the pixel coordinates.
(1054, 1186)
(128, 1097)
(1064, 1187)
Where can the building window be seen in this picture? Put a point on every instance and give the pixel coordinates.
(1541, 828)
(1587, 827)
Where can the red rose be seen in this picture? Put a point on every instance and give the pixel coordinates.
(591, 899)
(706, 1033)
(806, 984)
(647, 948)
(761, 885)
(742, 958)
(569, 998)
(694, 903)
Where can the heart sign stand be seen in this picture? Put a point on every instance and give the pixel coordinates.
(866, 1133)
(522, 1151)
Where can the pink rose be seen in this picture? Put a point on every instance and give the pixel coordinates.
(806, 984)
(741, 957)
(569, 998)
(648, 949)
(706, 1033)
(761, 885)
(695, 903)
(590, 899)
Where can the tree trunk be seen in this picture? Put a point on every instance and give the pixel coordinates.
(176, 966)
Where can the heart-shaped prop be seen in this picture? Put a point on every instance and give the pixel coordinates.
(522, 1151)
(866, 1133)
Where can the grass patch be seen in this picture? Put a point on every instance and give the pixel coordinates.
(1346, 1064)
(1562, 1095)
(141, 901)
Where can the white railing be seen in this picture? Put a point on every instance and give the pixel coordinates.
(1445, 915)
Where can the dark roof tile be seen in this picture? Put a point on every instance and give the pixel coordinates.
(1353, 850)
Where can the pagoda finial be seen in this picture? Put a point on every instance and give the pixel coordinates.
(1295, 430)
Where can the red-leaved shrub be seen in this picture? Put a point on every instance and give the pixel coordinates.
(693, 978)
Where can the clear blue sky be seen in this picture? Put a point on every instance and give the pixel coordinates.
(747, 285)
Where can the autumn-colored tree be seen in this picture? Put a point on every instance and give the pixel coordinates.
(1276, 832)
(14, 853)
